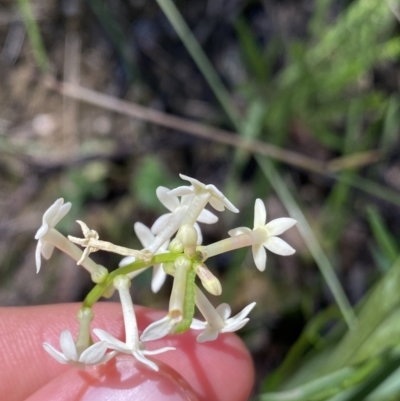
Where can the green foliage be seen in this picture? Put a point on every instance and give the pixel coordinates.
(150, 174)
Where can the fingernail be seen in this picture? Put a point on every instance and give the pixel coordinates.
(130, 380)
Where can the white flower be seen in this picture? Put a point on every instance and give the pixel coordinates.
(136, 349)
(93, 355)
(217, 199)
(50, 218)
(146, 237)
(232, 324)
(269, 234)
(132, 344)
(158, 329)
(173, 204)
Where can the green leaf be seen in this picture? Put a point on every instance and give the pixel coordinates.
(382, 301)
(382, 235)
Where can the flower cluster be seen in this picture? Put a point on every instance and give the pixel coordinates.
(172, 246)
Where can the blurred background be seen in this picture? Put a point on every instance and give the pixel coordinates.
(294, 101)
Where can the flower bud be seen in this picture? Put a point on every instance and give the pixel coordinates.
(187, 234)
(176, 246)
(99, 275)
(209, 281)
(169, 268)
(121, 282)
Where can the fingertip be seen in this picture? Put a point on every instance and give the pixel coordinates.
(121, 379)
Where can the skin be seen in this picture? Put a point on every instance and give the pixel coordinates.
(221, 370)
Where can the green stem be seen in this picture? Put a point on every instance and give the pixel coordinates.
(97, 291)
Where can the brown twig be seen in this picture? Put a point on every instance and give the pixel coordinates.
(201, 130)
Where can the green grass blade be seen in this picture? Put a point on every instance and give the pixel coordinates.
(34, 35)
(382, 235)
(370, 187)
(381, 303)
(201, 60)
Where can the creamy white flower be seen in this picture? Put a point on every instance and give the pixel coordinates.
(173, 204)
(132, 344)
(158, 329)
(51, 217)
(93, 355)
(146, 237)
(268, 233)
(226, 325)
(217, 199)
(137, 349)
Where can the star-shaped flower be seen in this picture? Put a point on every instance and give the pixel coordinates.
(93, 355)
(50, 218)
(268, 233)
(146, 237)
(217, 199)
(159, 328)
(173, 204)
(228, 325)
(136, 349)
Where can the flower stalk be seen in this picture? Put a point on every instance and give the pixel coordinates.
(98, 273)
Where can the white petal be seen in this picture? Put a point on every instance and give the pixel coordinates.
(47, 250)
(42, 231)
(68, 346)
(241, 315)
(181, 191)
(160, 223)
(64, 209)
(193, 181)
(209, 334)
(158, 329)
(140, 357)
(111, 341)
(234, 326)
(260, 214)
(207, 217)
(217, 204)
(237, 231)
(38, 254)
(158, 278)
(259, 256)
(279, 226)
(94, 354)
(171, 202)
(143, 233)
(199, 234)
(57, 355)
(278, 246)
(198, 324)
(52, 211)
(230, 206)
(127, 260)
(224, 310)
